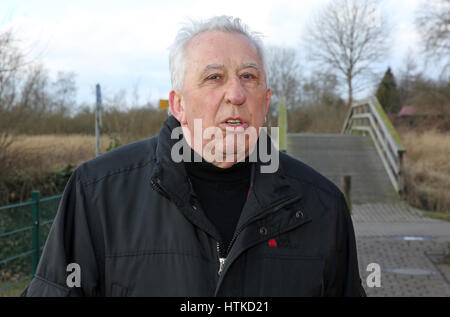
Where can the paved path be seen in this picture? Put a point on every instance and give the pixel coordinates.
(408, 246)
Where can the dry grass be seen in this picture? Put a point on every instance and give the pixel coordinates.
(49, 152)
(427, 169)
(34, 161)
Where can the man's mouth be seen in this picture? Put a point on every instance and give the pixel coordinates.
(235, 123)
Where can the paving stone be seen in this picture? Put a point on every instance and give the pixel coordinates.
(391, 235)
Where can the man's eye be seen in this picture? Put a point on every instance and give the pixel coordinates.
(213, 77)
(248, 76)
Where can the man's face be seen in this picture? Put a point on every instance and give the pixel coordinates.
(225, 87)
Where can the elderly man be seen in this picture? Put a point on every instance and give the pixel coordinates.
(140, 221)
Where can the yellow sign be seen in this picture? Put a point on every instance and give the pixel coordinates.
(163, 104)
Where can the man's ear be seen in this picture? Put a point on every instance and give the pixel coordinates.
(176, 107)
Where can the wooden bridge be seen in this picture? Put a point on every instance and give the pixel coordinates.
(406, 245)
(368, 150)
(336, 156)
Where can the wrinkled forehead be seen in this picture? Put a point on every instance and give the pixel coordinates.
(221, 48)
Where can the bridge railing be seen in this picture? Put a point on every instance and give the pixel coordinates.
(367, 117)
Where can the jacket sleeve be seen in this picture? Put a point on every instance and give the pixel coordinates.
(75, 237)
(343, 277)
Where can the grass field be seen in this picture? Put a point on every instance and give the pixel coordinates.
(48, 152)
(427, 170)
(33, 162)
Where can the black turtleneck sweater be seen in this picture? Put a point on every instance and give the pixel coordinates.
(222, 192)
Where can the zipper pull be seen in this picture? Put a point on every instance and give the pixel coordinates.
(221, 260)
(221, 264)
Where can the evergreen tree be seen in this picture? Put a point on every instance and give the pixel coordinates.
(387, 93)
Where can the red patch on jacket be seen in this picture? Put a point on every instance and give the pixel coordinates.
(273, 243)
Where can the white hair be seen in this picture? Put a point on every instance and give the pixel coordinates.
(177, 57)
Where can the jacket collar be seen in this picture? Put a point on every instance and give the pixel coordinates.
(170, 175)
(267, 189)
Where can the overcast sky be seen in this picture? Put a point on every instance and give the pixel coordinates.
(124, 44)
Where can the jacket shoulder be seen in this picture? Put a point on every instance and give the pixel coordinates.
(302, 172)
(122, 159)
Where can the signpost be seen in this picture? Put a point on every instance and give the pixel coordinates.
(98, 118)
(163, 104)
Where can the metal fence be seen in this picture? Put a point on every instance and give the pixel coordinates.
(23, 225)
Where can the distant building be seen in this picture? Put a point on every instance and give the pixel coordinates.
(407, 111)
(413, 116)
(412, 111)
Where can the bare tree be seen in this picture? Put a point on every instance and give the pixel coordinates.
(135, 97)
(320, 90)
(10, 57)
(285, 80)
(348, 37)
(433, 24)
(23, 91)
(408, 75)
(64, 90)
(11, 60)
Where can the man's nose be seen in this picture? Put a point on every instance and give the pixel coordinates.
(235, 92)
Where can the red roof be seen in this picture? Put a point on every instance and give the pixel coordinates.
(407, 111)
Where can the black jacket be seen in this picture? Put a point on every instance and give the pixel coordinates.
(129, 219)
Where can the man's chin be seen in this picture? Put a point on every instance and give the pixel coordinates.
(226, 164)
(227, 161)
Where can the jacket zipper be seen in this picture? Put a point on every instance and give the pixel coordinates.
(157, 186)
(221, 260)
(262, 215)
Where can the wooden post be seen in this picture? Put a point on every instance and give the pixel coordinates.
(400, 176)
(282, 124)
(346, 184)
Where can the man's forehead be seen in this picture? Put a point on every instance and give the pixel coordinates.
(216, 66)
(210, 45)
